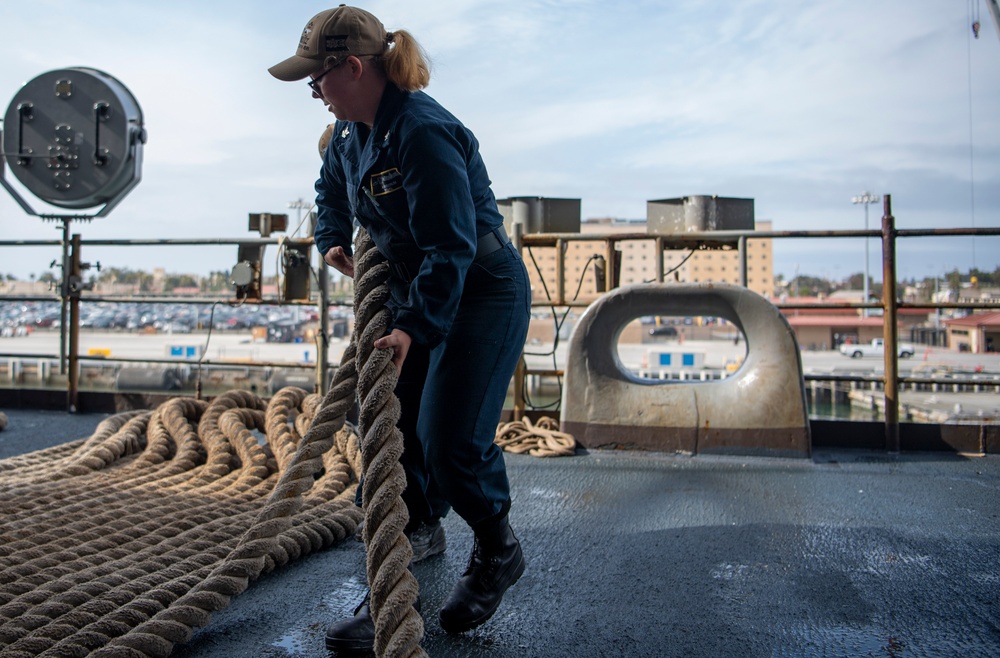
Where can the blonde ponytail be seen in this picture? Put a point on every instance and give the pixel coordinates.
(405, 63)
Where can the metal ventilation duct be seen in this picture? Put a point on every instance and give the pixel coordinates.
(699, 213)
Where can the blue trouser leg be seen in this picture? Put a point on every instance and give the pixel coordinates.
(420, 496)
(468, 376)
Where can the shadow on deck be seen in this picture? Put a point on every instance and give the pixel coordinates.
(849, 553)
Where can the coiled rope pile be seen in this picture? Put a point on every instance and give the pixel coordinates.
(121, 544)
(540, 439)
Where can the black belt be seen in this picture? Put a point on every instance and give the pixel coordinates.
(492, 241)
(496, 239)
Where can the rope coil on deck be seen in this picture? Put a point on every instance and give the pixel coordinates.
(541, 439)
(122, 543)
(117, 545)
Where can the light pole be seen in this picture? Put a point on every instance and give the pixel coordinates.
(866, 198)
(299, 205)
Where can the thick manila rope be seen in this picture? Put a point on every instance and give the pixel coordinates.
(399, 628)
(265, 545)
(112, 531)
(135, 578)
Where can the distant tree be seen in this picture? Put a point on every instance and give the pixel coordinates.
(810, 286)
(954, 280)
(217, 281)
(855, 281)
(47, 277)
(173, 281)
(983, 278)
(927, 288)
(111, 275)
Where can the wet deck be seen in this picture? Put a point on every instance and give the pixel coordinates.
(850, 553)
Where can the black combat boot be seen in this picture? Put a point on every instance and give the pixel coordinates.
(495, 564)
(357, 634)
(426, 539)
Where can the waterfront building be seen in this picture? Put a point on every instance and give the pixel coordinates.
(638, 262)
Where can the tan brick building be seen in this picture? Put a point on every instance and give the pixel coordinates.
(638, 262)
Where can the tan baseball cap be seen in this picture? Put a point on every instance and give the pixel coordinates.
(329, 37)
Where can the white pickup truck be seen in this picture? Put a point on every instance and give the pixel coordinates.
(855, 351)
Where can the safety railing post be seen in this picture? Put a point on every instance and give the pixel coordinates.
(659, 259)
(73, 284)
(611, 274)
(560, 272)
(743, 261)
(522, 366)
(323, 344)
(889, 328)
(64, 298)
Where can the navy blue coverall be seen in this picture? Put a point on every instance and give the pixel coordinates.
(417, 183)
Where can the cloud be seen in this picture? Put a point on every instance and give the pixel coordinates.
(798, 105)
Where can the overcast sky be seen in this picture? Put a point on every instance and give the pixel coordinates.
(798, 105)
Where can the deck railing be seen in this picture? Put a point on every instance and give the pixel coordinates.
(70, 295)
(889, 304)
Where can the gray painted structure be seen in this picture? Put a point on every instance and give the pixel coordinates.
(761, 409)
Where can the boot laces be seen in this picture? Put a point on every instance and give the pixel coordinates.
(482, 566)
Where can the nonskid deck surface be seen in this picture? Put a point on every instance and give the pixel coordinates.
(645, 554)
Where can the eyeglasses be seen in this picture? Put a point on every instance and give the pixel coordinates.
(314, 82)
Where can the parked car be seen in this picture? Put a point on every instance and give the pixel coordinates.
(664, 330)
(875, 348)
